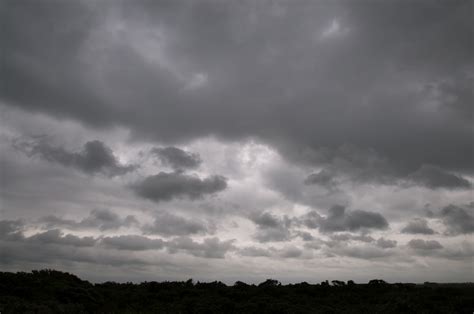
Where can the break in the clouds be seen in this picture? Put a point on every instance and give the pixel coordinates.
(238, 140)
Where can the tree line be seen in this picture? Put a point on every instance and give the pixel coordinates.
(50, 291)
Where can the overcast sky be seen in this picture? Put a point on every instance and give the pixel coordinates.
(238, 140)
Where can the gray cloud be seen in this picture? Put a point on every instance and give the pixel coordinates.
(102, 219)
(350, 96)
(434, 177)
(95, 157)
(420, 244)
(457, 219)
(418, 226)
(133, 243)
(176, 158)
(253, 251)
(386, 243)
(300, 76)
(361, 252)
(271, 228)
(290, 252)
(169, 224)
(55, 236)
(323, 178)
(338, 219)
(9, 227)
(347, 237)
(208, 248)
(167, 186)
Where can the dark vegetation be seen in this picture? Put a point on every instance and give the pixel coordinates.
(49, 291)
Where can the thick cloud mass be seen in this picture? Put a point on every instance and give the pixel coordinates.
(314, 68)
(238, 140)
(166, 186)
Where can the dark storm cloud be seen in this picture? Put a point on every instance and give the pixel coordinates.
(275, 71)
(102, 219)
(418, 226)
(434, 177)
(167, 186)
(168, 224)
(133, 243)
(338, 219)
(208, 248)
(177, 159)
(458, 219)
(420, 244)
(95, 157)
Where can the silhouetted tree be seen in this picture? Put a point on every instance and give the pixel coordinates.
(338, 283)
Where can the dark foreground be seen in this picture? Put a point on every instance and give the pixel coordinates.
(49, 291)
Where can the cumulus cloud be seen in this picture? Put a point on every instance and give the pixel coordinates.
(168, 224)
(167, 186)
(95, 157)
(418, 226)
(177, 158)
(102, 219)
(420, 244)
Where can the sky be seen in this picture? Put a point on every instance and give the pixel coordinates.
(238, 140)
